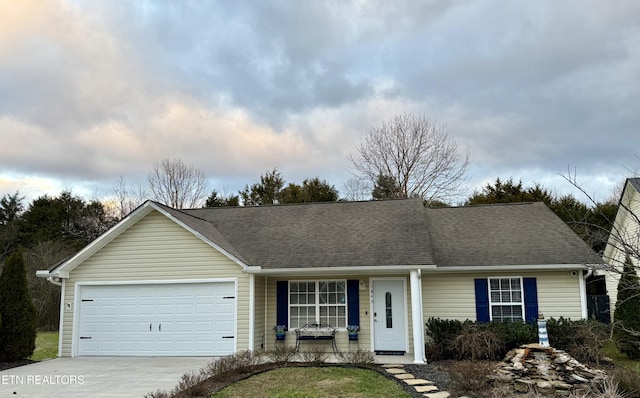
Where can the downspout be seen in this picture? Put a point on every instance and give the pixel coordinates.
(59, 282)
(53, 280)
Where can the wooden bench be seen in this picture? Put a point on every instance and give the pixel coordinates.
(315, 332)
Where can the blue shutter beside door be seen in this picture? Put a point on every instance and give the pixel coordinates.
(530, 299)
(353, 302)
(282, 303)
(482, 300)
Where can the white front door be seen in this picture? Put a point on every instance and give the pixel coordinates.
(389, 315)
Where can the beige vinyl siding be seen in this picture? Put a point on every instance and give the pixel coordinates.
(156, 248)
(342, 339)
(452, 296)
(259, 333)
(627, 227)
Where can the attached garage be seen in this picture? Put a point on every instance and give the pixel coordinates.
(156, 319)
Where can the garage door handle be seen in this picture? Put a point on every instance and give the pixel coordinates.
(159, 327)
(149, 327)
(228, 337)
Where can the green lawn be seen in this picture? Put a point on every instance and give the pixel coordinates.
(46, 346)
(314, 383)
(620, 359)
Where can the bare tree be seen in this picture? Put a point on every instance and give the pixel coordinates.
(176, 184)
(126, 198)
(356, 189)
(422, 158)
(622, 257)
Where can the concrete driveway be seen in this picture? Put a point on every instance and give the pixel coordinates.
(97, 376)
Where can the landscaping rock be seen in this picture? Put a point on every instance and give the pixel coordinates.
(552, 372)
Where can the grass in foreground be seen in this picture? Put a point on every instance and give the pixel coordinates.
(46, 346)
(610, 350)
(314, 383)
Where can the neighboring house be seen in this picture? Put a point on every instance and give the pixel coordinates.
(624, 237)
(215, 281)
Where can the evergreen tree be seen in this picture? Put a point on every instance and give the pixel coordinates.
(627, 312)
(386, 187)
(219, 200)
(17, 313)
(267, 192)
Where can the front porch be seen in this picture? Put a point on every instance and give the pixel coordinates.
(387, 309)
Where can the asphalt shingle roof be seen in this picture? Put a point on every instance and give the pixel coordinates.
(635, 182)
(505, 234)
(336, 234)
(389, 233)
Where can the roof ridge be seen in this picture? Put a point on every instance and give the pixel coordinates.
(486, 205)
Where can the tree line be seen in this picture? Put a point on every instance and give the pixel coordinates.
(408, 156)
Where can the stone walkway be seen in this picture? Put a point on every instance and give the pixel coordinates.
(426, 387)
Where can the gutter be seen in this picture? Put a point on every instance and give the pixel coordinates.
(424, 268)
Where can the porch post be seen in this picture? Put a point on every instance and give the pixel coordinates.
(416, 316)
(252, 305)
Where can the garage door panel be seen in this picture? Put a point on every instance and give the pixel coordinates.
(183, 319)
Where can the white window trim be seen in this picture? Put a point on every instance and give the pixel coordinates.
(491, 304)
(317, 304)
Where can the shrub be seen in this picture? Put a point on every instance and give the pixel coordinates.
(609, 389)
(358, 357)
(470, 377)
(559, 331)
(158, 394)
(628, 380)
(240, 362)
(281, 354)
(476, 341)
(589, 337)
(584, 340)
(314, 356)
(442, 333)
(514, 334)
(17, 313)
(190, 385)
(627, 312)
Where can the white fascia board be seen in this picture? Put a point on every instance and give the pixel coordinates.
(494, 268)
(63, 270)
(203, 238)
(375, 269)
(392, 269)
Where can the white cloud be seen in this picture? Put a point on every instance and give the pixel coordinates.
(93, 90)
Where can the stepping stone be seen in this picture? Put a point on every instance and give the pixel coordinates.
(441, 394)
(417, 382)
(395, 371)
(428, 388)
(405, 376)
(393, 365)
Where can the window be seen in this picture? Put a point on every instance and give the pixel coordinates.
(506, 299)
(317, 302)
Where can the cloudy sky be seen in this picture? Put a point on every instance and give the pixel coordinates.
(94, 90)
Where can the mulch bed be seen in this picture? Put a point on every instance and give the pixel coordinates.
(15, 364)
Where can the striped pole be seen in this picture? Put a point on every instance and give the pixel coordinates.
(543, 337)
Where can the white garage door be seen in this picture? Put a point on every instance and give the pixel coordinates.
(182, 319)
